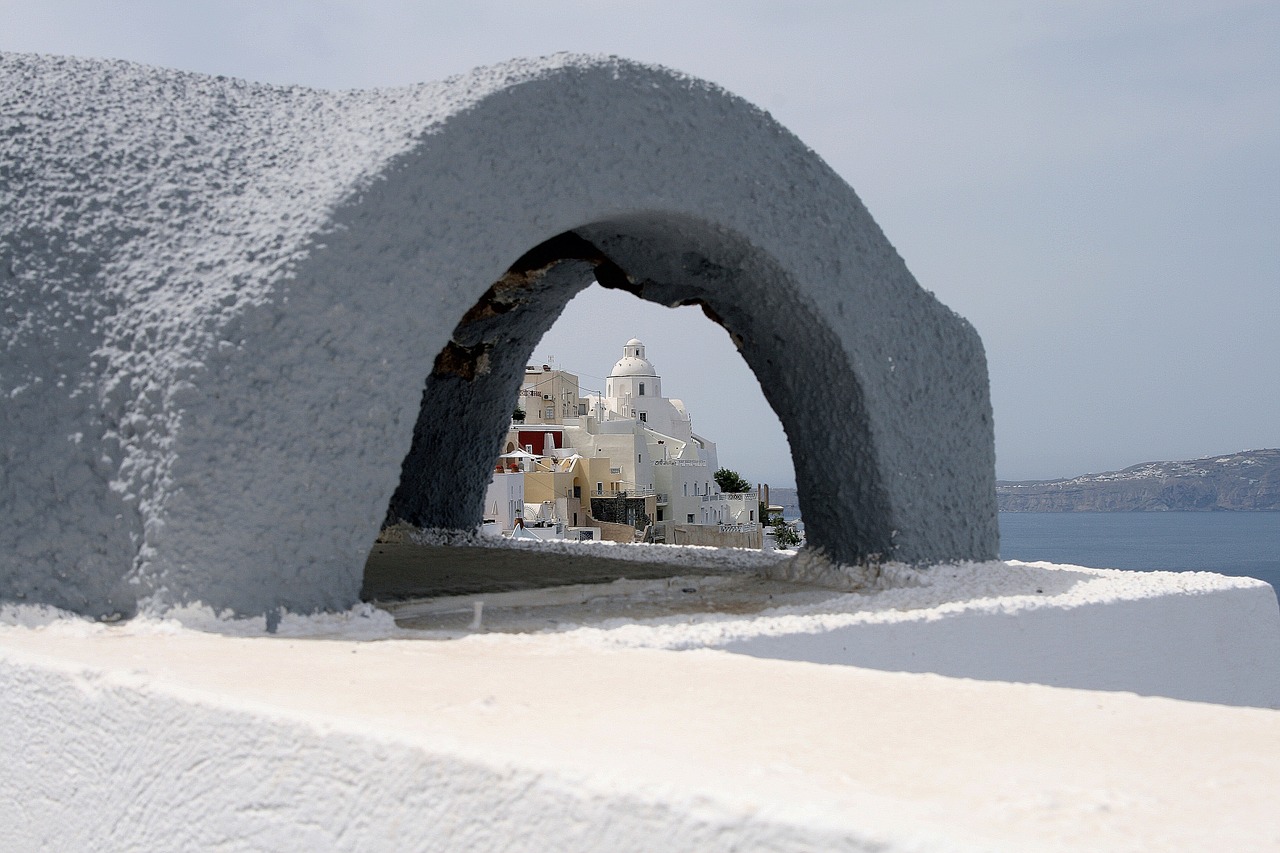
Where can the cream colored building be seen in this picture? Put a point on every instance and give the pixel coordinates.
(549, 396)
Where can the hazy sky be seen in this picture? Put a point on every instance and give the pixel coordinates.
(1095, 186)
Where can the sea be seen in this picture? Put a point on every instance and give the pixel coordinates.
(1245, 544)
(788, 499)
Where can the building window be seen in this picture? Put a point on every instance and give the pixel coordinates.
(751, 515)
(644, 417)
(691, 518)
(551, 412)
(599, 488)
(582, 409)
(641, 389)
(659, 513)
(637, 458)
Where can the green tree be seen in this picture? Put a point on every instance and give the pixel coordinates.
(731, 482)
(785, 534)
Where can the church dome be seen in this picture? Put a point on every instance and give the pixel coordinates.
(632, 366)
(633, 362)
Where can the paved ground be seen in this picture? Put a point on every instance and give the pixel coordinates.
(397, 571)
(601, 604)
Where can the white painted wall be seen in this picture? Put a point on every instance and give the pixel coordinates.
(150, 736)
(504, 499)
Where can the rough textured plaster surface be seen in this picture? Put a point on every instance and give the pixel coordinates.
(145, 736)
(213, 777)
(220, 301)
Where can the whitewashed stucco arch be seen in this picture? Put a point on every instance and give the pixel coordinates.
(229, 295)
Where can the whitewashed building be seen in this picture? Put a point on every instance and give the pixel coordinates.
(640, 443)
(665, 455)
(503, 501)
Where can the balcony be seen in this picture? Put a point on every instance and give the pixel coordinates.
(745, 527)
(618, 492)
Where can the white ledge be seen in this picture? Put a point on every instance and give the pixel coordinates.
(150, 735)
(1185, 635)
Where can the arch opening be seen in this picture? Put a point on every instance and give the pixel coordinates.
(466, 410)
(678, 404)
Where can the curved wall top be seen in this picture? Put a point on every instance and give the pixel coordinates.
(219, 302)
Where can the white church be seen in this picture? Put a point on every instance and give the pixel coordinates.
(631, 443)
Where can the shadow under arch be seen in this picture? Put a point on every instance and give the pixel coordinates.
(672, 261)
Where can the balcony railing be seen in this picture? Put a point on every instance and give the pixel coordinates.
(624, 493)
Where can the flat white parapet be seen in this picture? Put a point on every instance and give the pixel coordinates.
(195, 741)
(1185, 635)
(346, 732)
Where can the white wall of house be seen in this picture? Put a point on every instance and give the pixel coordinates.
(742, 508)
(504, 499)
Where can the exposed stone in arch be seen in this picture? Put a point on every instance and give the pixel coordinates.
(236, 322)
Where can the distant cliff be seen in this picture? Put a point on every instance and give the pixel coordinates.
(1248, 481)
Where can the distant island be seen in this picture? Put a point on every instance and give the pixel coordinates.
(1239, 482)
